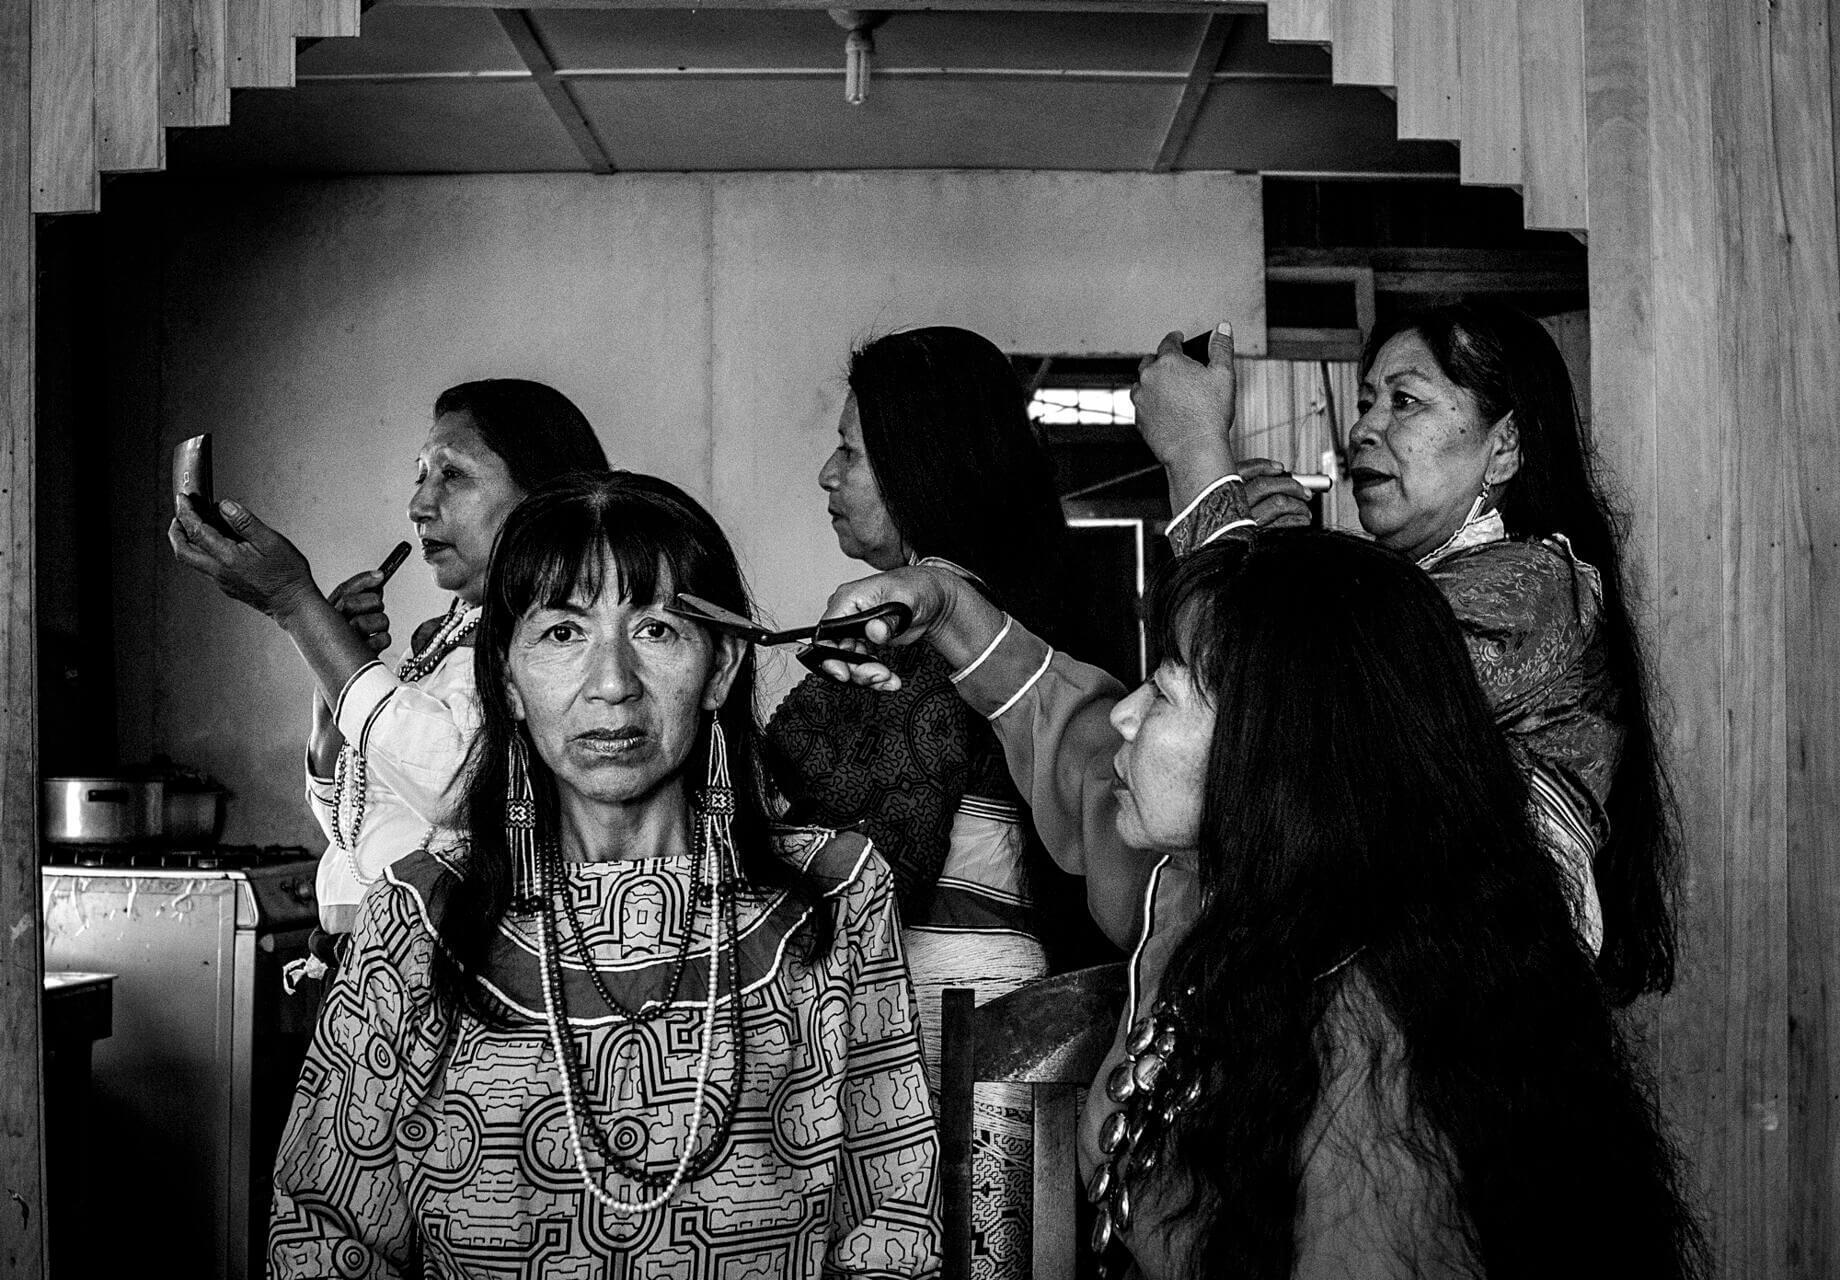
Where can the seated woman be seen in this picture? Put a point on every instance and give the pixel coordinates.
(380, 772)
(623, 1026)
(1379, 1047)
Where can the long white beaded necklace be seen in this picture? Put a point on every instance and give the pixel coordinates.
(615, 1203)
(350, 776)
(719, 858)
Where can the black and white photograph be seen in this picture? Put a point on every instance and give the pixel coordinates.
(965, 640)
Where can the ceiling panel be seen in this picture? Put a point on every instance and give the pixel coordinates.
(398, 40)
(353, 127)
(1305, 128)
(906, 124)
(579, 38)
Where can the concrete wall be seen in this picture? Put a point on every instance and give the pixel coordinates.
(702, 323)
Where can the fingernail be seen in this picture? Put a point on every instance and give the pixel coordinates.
(229, 508)
(1224, 329)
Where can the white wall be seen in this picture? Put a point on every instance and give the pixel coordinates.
(702, 323)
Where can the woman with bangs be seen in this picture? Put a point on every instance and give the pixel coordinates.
(624, 1026)
(1376, 1046)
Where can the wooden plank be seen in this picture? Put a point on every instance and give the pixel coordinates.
(22, 1157)
(1724, 1034)
(1055, 1241)
(128, 132)
(1553, 151)
(1297, 21)
(316, 19)
(523, 34)
(1806, 84)
(194, 70)
(957, 1082)
(64, 176)
(1427, 68)
(259, 43)
(1488, 39)
(1361, 41)
(1215, 32)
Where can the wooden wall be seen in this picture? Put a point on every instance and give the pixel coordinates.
(22, 1202)
(1716, 323)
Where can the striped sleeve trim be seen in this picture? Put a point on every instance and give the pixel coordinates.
(1028, 684)
(363, 696)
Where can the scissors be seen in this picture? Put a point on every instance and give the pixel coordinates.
(850, 627)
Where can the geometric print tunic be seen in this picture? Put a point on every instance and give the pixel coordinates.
(423, 1143)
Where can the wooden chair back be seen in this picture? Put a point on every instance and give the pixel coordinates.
(1052, 1035)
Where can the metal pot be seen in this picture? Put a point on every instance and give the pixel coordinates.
(101, 810)
(192, 813)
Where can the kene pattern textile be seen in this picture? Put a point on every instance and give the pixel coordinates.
(423, 1143)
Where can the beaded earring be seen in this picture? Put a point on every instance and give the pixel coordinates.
(521, 828)
(715, 806)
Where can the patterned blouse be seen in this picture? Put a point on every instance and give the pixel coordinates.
(923, 777)
(423, 1143)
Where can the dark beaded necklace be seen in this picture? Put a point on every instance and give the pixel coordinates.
(631, 1017)
(723, 912)
(1156, 1084)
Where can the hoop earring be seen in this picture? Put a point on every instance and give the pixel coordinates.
(521, 828)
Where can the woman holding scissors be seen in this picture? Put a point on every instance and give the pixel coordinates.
(385, 746)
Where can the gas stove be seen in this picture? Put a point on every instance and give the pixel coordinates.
(207, 1041)
(222, 857)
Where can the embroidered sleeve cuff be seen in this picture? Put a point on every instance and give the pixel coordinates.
(1218, 509)
(1232, 477)
(1007, 670)
(363, 696)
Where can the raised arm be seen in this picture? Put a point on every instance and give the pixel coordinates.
(1185, 413)
(267, 572)
(1051, 713)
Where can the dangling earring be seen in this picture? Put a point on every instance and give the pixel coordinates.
(521, 828)
(715, 806)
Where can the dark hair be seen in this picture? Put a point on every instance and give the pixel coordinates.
(1360, 802)
(964, 476)
(645, 538)
(534, 428)
(1510, 364)
(947, 431)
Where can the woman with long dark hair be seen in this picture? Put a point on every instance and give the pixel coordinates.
(622, 1024)
(937, 463)
(1376, 1044)
(1469, 457)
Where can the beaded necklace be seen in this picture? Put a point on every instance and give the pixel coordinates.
(1157, 1083)
(350, 776)
(713, 856)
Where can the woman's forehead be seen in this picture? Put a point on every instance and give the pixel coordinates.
(600, 578)
(1405, 352)
(455, 433)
